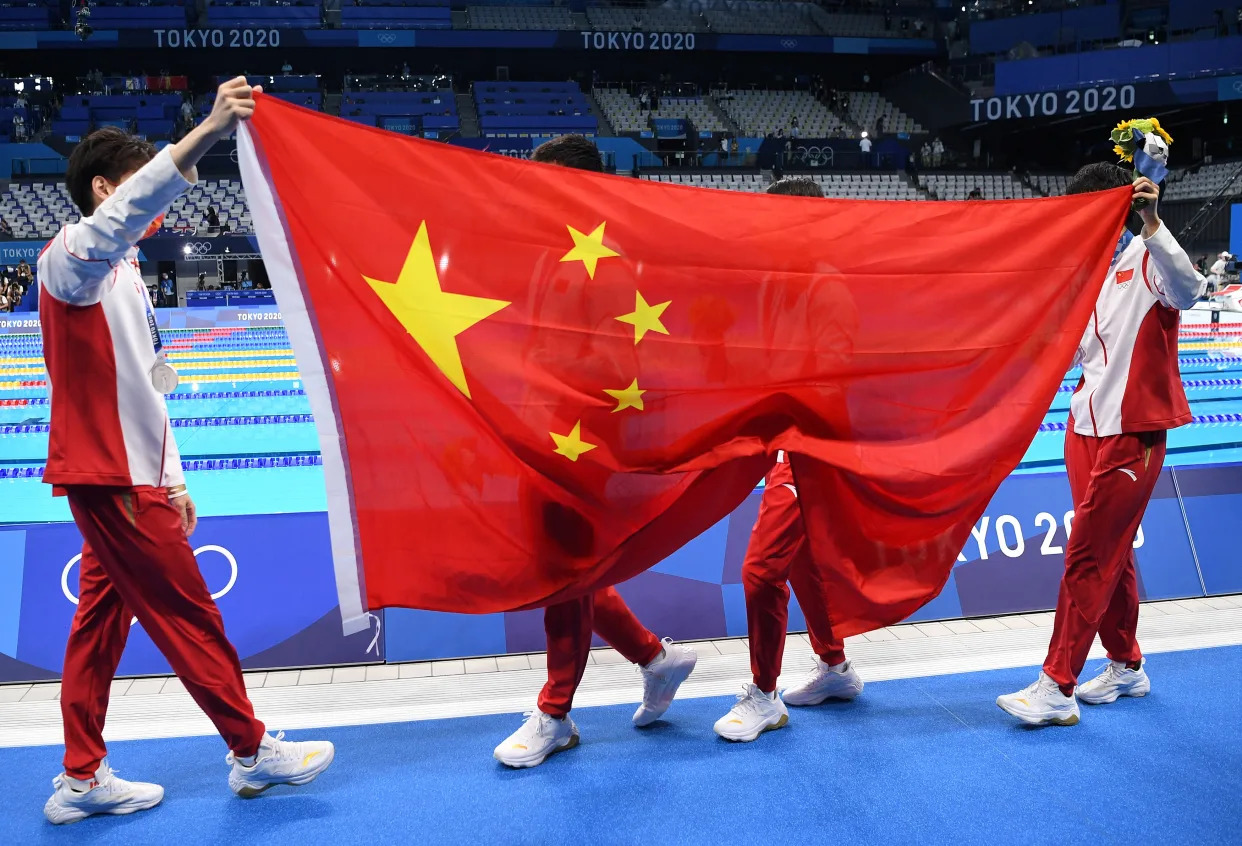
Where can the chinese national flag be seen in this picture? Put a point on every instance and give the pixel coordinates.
(531, 381)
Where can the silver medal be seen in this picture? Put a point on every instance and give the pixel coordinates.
(164, 377)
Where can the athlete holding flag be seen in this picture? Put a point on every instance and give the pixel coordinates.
(111, 452)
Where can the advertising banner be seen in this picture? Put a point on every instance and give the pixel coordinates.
(246, 561)
(1012, 563)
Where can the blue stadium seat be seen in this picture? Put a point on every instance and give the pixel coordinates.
(264, 17)
(396, 17)
(23, 17)
(138, 17)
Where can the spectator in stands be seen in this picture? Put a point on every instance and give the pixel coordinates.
(286, 68)
(845, 103)
(24, 275)
(735, 150)
(865, 146)
(975, 194)
(834, 100)
(925, 155)
(405, 70)
(724, 148)
(245, 283)
(879, 126)
(4, 300)
(5, 228)
(937, 152)
(213, 218)
(187, 112)
(202, 281)
(644, 100)
(168, 290)
(793, 127)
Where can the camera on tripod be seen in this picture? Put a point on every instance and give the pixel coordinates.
(82, 27)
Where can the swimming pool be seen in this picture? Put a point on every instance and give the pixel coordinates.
(244, 426)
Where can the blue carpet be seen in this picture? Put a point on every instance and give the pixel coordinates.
(922, 760)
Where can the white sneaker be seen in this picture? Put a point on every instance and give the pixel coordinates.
(824, 683)
(1041, 703)
(754, 713)
(105, 794)
(278, 761)
(661, 678)
(1115, 680)
(540, 736)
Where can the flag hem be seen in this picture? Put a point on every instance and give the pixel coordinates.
(270, 228)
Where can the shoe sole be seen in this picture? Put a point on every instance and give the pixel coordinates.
(250, 791)
(77, 815)
(1115, 695)
(781, 723)
(839, 697)
(652, 716)
(522, 765)
(1071, 720)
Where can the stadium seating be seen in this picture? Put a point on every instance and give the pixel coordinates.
(868, 186)
(763, 111)
(865, 26)
(855, 186)
(373, 15)
(625, 115)
(532, 109)
(750, 182)
(1200, 184)
(225, 195)
(955, 186)
(148, 114)
(867, 106)
(409, 112)
(609, 19)
(779, 19)
(520, 17)
(22, 15)
(300, 15)
(117, 16)
(40, 209)
(1052, 184)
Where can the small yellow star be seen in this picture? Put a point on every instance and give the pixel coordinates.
(631, 397)
(571, 446)
(589, 249)
(645, 318)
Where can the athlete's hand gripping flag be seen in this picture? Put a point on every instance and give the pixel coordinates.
(530, 381)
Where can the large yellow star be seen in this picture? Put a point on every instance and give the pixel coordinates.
(631, 397)
(645, 318)
(589, 249)
(571, 446)
(433, 317)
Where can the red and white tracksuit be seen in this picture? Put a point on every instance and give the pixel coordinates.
(569, 625)
(779, 556)
(1129, 396)
(111, 451)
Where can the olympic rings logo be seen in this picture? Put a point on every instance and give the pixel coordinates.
(198, 248)
(1237, 86)
(211, 547)
(789, 43)
(386, 38)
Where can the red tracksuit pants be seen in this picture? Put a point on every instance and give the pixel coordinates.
(779, 555)
(136, 562)
(569, 626)
(1111, 480)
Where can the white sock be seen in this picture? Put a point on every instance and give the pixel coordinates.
(838, 668)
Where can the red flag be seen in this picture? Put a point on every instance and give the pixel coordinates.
(531, 381)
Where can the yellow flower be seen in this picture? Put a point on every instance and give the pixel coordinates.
(1122, 154)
